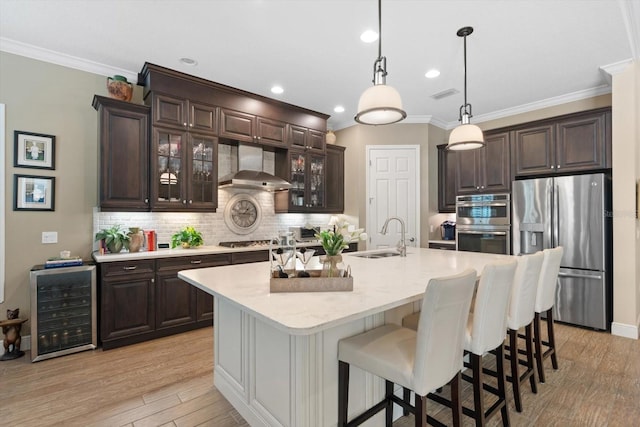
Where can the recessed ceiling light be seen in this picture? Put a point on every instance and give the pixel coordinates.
(277, 90)
(188, 61)
(369, 36)
(339, 109)
(432, 74)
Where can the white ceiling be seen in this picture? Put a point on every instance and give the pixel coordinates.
(523, 54)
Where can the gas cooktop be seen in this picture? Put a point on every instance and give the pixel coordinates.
(245, 243)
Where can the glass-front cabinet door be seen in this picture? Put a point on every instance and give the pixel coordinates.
(307, 175)
(185, 175)
(168, 176)
(203, 186)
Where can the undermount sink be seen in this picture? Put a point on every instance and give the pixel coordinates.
(385, 254)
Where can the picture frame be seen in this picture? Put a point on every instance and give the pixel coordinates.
(33, 193)
(33, 150)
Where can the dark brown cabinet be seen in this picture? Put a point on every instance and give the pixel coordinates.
(127, 302)
(250, 128)
(308, 139)
(306, 173)
(170, 111)
(184, 171)
(487, 169)
(123, 135)
(334, 179)
(446, 180)
(574, 143)
(145, 299)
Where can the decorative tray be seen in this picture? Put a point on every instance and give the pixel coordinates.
(315, 283)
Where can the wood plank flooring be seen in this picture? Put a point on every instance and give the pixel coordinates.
(169, 382)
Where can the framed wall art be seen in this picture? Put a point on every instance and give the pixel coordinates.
(33, 193)
(34, 150)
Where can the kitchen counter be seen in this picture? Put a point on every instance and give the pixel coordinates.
(179, 252)
(275, 355)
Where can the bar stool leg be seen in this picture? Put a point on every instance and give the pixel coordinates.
(478, 401)
(537, 341)
(456, 403)
(420, 415)
(389, 410)
(406, 396)
(530, 362)
(515, 376)
(552, 338)
(502, 389)
(343, 392)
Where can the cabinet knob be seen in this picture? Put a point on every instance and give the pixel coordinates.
(553, 167)
(146, 200)
(258, 138)
(190, 124)
(184, 124)
(190, 201)
(184, 202)
(558, 167)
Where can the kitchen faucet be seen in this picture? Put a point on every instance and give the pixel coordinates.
(402, 246)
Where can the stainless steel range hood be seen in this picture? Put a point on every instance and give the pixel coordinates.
(250, 173)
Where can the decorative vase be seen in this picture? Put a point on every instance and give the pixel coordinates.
(119, 88)
(330, 137)
(330, 265)
(137, 239)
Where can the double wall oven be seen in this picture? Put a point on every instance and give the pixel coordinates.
(483, 223)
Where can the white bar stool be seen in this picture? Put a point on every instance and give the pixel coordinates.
(521, 314)
(486, 331)
(545, 300)
(421, 360)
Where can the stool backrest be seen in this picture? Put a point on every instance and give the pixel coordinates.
(490, 309)
(524, 290)
(548, 279)
(441, 329)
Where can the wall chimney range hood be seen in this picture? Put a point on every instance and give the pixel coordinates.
(250, 173)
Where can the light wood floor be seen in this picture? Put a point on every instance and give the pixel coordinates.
(169, 382)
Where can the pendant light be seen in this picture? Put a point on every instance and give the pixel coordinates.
(380, 104)
(466, 136)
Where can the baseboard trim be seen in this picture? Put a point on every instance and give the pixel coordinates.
(24, 345)
(624, 330)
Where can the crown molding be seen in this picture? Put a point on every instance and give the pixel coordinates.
(46, 55)
(538, 105)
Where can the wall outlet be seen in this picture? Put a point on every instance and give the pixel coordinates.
(49, 237)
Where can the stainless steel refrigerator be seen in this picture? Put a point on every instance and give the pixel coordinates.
(572, 212)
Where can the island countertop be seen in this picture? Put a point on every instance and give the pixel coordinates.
(379, 284)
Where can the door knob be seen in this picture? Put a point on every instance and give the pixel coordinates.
(412, 239)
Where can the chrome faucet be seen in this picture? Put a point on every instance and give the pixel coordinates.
(402, 246)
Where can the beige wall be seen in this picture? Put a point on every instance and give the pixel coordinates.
(46, 98)
(626, 173)
(356, 138)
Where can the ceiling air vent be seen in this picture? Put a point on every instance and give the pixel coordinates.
(445, 93)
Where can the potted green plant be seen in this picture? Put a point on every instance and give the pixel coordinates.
(188, 237)
(115, 238)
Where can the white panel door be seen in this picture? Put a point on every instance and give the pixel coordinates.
(393, 189)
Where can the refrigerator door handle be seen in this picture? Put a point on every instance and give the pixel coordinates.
(555, 216)
(581, 276)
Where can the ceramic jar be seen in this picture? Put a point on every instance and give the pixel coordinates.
(119, 88)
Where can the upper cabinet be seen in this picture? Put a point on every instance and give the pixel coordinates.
(123, 135)
(574, 143)
(251, 128)
(306, 172)
(169, 111)
(487, 169)
(446, 180)
(334, 179)
(184, 171)
(307, 139)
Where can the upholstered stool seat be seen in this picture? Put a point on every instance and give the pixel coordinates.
(421, 360)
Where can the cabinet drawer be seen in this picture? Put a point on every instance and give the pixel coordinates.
(123, 268)
(195, 261)
(252, 256)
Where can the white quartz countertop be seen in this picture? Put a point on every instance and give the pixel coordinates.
(379, 284)
(178, 252)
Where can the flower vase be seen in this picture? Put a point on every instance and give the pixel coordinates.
(136, 237)
(330, 265)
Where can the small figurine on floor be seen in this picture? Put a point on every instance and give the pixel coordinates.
(11, 330)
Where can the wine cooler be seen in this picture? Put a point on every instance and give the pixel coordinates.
(63, 311)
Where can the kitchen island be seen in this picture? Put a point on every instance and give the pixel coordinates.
(275, 355)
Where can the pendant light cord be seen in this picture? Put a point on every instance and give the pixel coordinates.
(379, 29)
(465, 73)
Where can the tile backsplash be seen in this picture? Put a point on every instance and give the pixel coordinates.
(211, 225)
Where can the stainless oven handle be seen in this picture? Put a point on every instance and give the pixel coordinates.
(497, 233)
